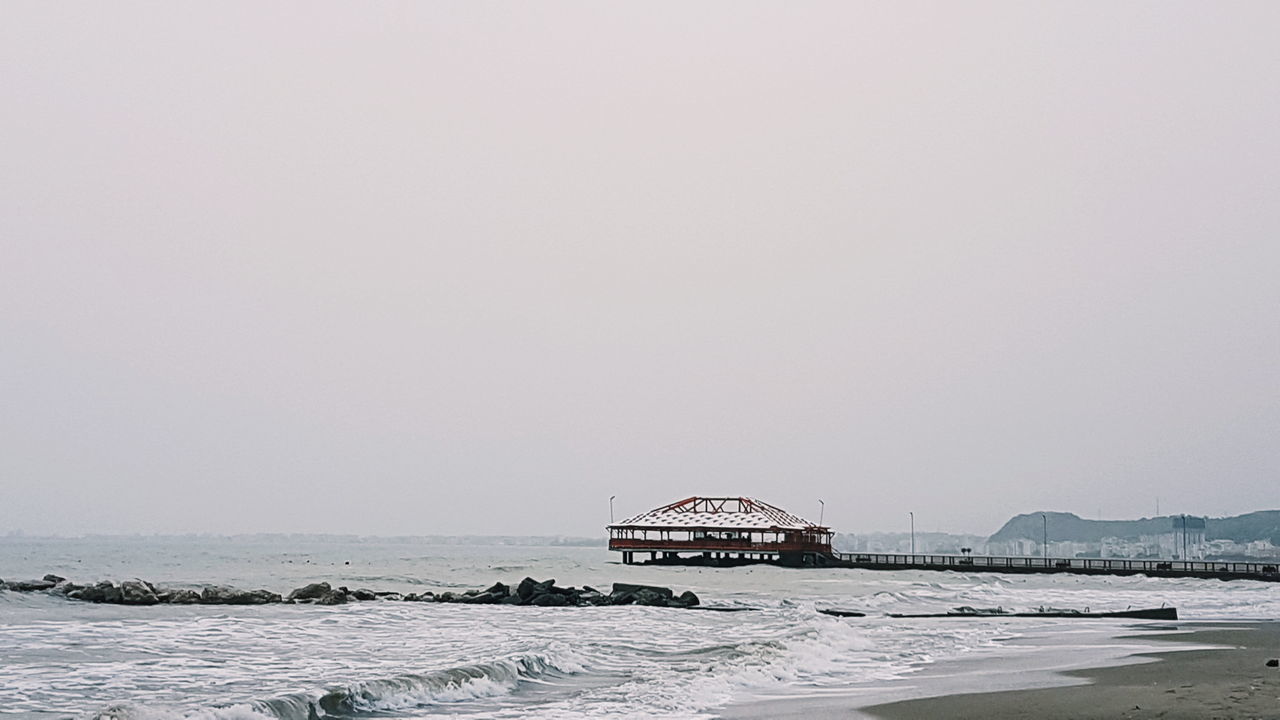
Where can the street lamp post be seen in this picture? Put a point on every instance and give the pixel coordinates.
(1044, 547)
(822, 511)
(611, 497)
(913, 532)
(1184, 537)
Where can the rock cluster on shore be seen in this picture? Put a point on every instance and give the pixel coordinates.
(543, 593)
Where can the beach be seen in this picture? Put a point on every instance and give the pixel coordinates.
(1230, 681)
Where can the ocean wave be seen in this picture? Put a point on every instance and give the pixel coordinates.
(407, 580)
(397, 693)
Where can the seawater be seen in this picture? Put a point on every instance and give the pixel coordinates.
(62, 658)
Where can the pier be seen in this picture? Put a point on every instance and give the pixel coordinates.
(1267, 571)
(733, 531)
(1206, 569)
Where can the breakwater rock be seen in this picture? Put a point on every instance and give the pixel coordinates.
(529, 592)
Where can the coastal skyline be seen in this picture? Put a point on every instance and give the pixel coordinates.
(475, 268)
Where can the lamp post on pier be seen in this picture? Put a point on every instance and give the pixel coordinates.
(822, 510)
(1044, 547)
(1184, 537)
(611, 497)
(913, 532)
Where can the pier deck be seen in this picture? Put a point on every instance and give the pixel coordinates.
(1268, 571)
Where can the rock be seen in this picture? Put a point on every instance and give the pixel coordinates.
(31, 585)
(218, 595)
(314, 591)
(333, 597)
(686, 599)
(136, 592)
(103, 592)
(262, 597)
(1273, 662)
(627, 587)
(530, 588)
(225, 595)
(178, 596)
(541, 593)
(65, 588)
(649, 598)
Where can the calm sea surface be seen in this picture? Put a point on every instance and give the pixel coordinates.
(61, 658)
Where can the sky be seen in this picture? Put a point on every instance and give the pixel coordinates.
(475, 267)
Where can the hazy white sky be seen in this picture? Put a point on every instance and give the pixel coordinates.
(475, 267)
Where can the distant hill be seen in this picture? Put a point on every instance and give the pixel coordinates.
(1261, 525)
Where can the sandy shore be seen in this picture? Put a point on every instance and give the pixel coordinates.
(1229, 683)
(1233, 682)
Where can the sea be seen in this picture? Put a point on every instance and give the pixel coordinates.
(386, 659)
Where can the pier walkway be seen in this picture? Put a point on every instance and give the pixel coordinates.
(1267, 571)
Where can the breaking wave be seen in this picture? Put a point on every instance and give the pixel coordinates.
(401, 692)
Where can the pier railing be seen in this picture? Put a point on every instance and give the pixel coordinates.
(1102, 566)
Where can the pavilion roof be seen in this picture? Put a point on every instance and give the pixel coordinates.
(719, 512)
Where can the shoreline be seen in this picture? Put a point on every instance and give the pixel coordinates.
(1223, 676)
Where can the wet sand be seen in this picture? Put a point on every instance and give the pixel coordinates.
(1228, 683)
(1232, 682)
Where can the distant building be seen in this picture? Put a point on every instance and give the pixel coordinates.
(1186, 537)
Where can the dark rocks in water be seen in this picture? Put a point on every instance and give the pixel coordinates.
(65, 588)
(1273, 662)
(491, 596)
(178, 596)
(628, 587)
(537, 593)
(314, 591)
(333, 597)
(651, 595)
(545, 593)
(104, 592)
(529, 588)
(226, 595)
(31, 585)
(688, 599)
(137, 592)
